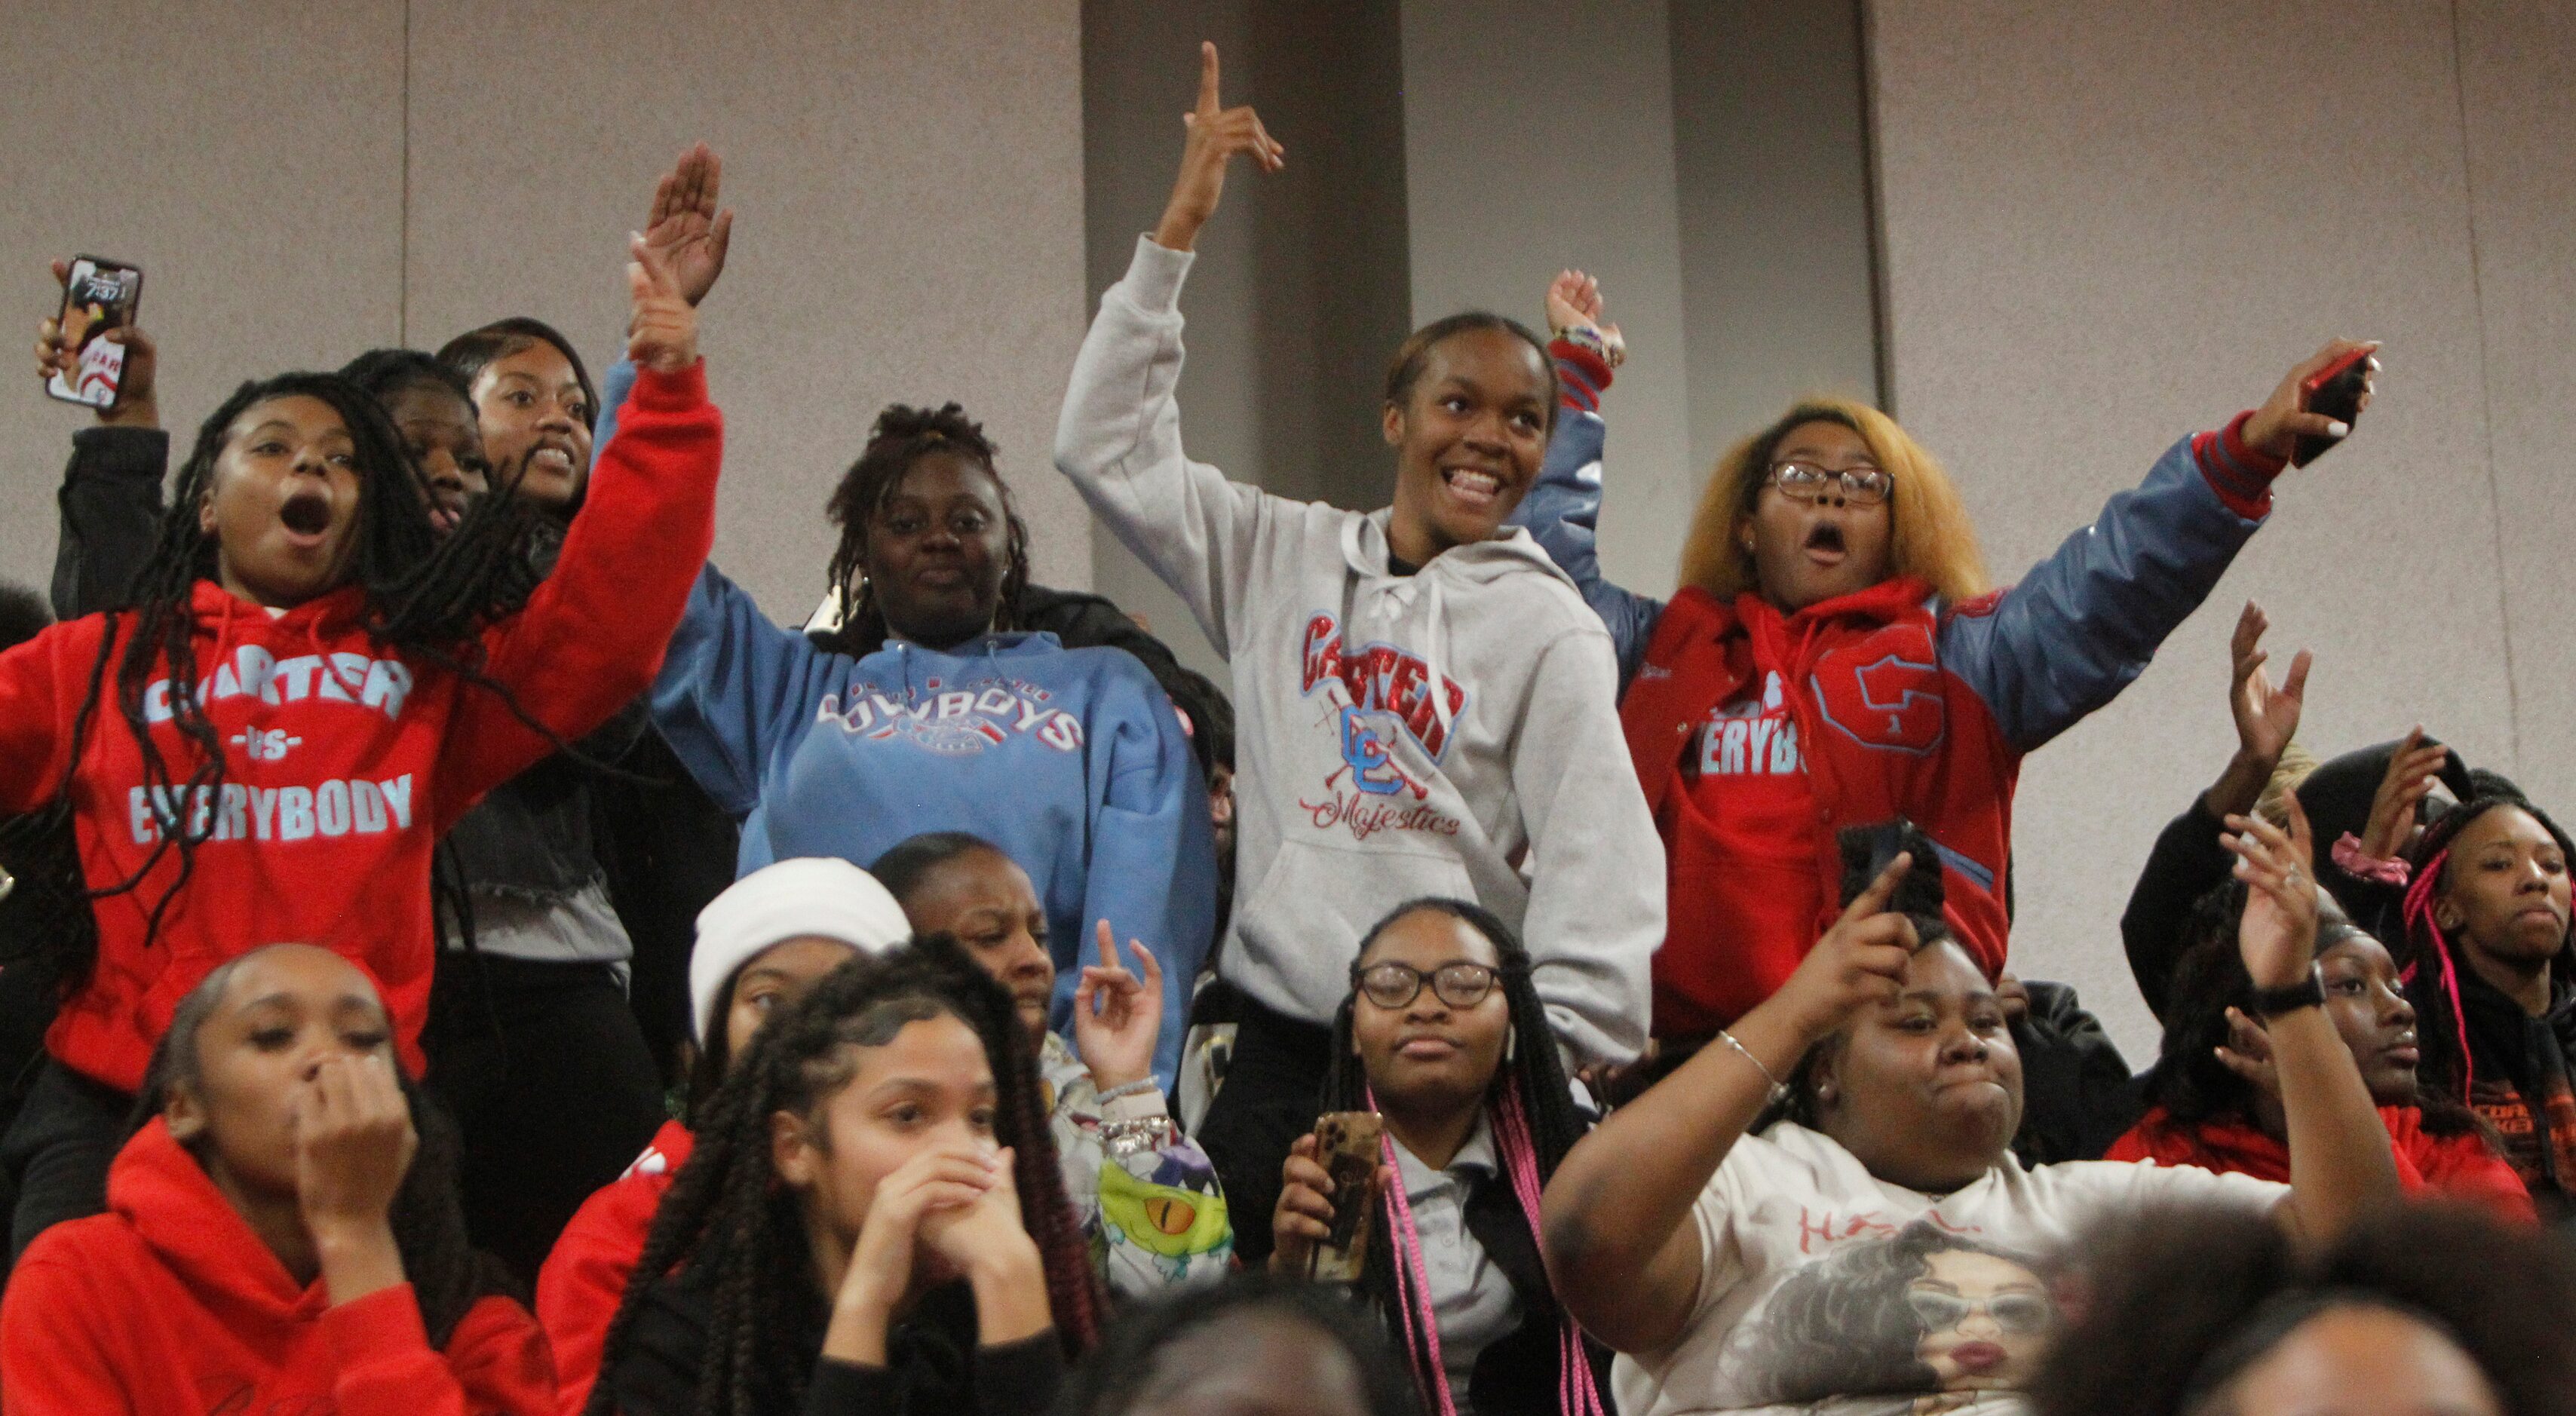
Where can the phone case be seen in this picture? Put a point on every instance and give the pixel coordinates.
(98, 296)
(1347, 1145)
(2335, 391)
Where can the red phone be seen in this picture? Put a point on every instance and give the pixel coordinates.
(99, 296)
(2335, 391)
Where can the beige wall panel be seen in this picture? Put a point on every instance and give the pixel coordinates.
(247, 156)
(2518, 76)
(1538, 137)
(909, 178)
(2109, 225)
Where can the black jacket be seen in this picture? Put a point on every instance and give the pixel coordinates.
(1516, 1375)
(933, 1365)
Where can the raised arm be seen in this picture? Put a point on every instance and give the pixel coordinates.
(1563, 507)
(592, 635)
(1596, 898)
(2085, 621)
(2340, 1164)
(1119, 436)
(1623, 1250)
(692, 236)
(2187, 861)
(111, 494)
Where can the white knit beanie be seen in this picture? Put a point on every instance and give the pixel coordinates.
(792, 899)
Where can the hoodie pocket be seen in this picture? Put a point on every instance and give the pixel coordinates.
(1302, 925)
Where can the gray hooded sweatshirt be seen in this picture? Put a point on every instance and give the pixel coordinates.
(1359, 785)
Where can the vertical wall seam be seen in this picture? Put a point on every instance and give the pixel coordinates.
(2486, 396)
(1883, 355)
(402, 245)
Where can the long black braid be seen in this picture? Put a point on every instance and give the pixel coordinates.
(1533, 1069)
(447, 1274)
(424, 597)
(730, 1216)
(2434, 957)
(902, 436)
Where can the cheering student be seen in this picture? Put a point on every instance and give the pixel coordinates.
(1145, 1195)
(1835, 656)
(873, 1218)
(762, 945)
(1476, 1123)
(1425, 706)
(2214, 1098)
(282, 1234)
(1882, 1241)
(308, 690)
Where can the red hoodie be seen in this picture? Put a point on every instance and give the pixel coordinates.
(169, 1303)
(585, 1277)
(344, 764)
(2461, 1166)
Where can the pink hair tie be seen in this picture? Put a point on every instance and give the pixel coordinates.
(2362, 865)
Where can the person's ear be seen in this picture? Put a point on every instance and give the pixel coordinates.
(1390, 418)
(792, 1151)
(183, 1113)
(1744, 533)
(2448, 916)
(206, 511)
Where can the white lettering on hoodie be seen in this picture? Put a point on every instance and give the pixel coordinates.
(350, 806)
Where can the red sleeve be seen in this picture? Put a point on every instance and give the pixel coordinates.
(582, 1282)
(50, 1346)
(1581, 375)
(2464, 1168)
(2241, 475)
(591, 638)
(42, 683)
(496, 1360)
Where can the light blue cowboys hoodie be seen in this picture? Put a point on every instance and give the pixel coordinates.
(1070, 760)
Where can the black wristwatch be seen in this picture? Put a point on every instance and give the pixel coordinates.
(2309, 992)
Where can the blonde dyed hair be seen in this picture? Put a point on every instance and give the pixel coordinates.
(1932, 539)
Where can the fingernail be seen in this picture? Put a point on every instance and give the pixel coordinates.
(2337, 429)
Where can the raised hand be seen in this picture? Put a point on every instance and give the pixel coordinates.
(2266, 714)
(662, 333)
(1117, 1015)
(1860, 961)
(2278, 934)
(135, 406)
(685, 227)
(1216, 135)
(2277, 426)
(1574, 307)
(2248, 1053)
(2412, 770)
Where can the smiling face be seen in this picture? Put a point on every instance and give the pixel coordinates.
(1986, 1320)
(2370, 1012)
(442, 437)
(283, 1011)
(1808, 552)
(2504, 890)
(937, 547)
(1925, 1089)
(1430, 1054)
(985, 900)
(929, 1084)
(533, 409)
(282, 503)
(1469, 438)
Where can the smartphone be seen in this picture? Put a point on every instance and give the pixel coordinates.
(1347, 1145)
(2335, 391)
(98, 296)
(1870, 849)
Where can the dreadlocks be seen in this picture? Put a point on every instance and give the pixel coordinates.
(903, 435)
(729, 1214)
(2432, 961)
(424, 598)
(1529, 1102)
(447, 1275)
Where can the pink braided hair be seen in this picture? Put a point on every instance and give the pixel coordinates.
(2418, 911)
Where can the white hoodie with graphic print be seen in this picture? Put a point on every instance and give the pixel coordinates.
(1358, 785)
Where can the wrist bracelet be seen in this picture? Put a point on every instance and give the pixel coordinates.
(1138, 1087)
(2309, 992)
(1587, 337)
(1779, 1092)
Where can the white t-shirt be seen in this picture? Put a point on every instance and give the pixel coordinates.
(1827, 1292)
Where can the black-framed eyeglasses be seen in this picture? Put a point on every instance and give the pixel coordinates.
(1460, 985)
(1861, 486)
